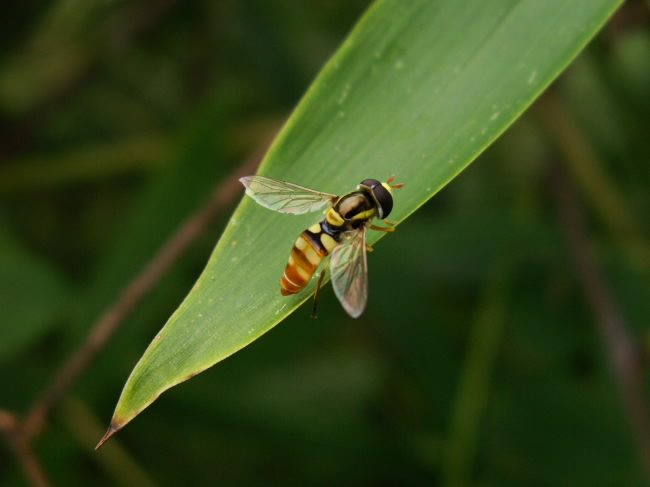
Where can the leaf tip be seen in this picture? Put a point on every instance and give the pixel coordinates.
(113, 428)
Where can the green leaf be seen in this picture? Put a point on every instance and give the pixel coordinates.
(418, 90)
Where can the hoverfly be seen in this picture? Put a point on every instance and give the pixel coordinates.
(341, 234)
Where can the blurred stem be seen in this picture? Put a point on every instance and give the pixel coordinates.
(81, 165)
(588, 171)
(475, 379)
(623, 353)
(12, 430)
(85, 426)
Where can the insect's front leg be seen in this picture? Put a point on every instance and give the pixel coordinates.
(320, 280)
(382, 229)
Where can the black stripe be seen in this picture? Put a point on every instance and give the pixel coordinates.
(314, 238)
(332, 231)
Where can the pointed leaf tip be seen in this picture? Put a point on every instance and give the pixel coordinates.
(112, 429)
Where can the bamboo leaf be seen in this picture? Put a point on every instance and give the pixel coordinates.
(418, 90)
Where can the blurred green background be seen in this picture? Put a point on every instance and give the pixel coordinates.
(478, 361)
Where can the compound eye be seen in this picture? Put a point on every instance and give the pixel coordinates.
(384, 198)
(371, 183)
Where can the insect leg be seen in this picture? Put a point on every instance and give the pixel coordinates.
(320, 280)
(382, 229)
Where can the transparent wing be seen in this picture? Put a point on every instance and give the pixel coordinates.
(349, 268)
(285, 197)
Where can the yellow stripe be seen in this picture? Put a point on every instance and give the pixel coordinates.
(333, 218)
(312, 256)
(302, 273)
(328, 242)
(364, 215)
(301, 243)
(300, 260)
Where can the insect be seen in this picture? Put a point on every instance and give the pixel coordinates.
(341, 234)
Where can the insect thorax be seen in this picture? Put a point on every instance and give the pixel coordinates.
(355, 207)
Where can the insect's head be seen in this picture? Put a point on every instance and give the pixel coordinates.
(381, 193)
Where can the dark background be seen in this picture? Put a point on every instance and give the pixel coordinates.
(479, 359)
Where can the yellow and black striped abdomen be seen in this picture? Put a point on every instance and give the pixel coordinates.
(309, 250)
